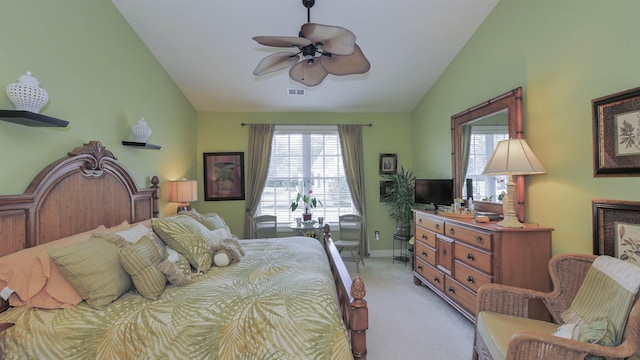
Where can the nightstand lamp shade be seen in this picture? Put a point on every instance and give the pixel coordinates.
(183, 191)
(512, 157)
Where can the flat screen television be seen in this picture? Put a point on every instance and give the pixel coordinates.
(434, 192)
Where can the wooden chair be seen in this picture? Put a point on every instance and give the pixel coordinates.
(350, 227)
(534, 339)
(265, 226)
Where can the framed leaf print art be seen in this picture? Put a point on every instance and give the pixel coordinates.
(616, 229)
(223, 176)
(616, 134)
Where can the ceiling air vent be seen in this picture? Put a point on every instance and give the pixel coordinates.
(295, 92)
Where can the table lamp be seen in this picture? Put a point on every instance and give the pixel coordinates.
(183, 192)
(512, 157)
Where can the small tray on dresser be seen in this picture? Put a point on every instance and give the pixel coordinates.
(455, 215)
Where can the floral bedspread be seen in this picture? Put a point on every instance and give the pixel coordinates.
(278, 302)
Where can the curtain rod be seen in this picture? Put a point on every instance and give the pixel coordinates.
(368, 125)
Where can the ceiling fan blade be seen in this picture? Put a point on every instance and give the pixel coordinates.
(308, 74)
(282, 41)
(355, 63)
(275, 62)
(335, 39)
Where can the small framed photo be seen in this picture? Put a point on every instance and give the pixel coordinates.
(616, 229)
(223, 176)
(385, 185)
(616, 134)
(388, 164)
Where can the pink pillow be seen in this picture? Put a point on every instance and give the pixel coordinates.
(36, 280)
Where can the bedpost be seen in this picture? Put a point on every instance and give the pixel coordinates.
(355, 312)
(155, 196)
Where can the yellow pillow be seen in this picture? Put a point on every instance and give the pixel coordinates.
(188, 237)
(93, 268)
(139, 260)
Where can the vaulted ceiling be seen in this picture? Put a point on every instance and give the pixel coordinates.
(206, 47)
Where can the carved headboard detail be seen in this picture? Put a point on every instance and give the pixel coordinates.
(76, 193)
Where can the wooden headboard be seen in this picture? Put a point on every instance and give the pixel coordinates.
(76, 193)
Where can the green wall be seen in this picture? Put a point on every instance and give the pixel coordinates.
(563, 53)
(390, 133)
(102, 79)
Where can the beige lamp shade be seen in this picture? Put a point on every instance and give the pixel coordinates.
(183, 191)
(512, 157)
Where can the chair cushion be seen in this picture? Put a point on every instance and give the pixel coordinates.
(495, 330)
(606, 294)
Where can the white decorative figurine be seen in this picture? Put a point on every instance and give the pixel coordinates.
(26, 94)
(141, 131)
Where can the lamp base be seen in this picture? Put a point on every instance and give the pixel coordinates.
(510, 221)
(183, 207)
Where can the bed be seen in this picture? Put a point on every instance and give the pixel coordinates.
(287, 298)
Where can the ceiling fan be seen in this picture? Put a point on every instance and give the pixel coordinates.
(322, 50)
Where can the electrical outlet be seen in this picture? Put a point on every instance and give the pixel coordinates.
(377, 235)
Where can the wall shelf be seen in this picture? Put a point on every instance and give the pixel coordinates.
(141, 145)
(29, 118)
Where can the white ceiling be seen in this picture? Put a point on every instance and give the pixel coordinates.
(206, 48)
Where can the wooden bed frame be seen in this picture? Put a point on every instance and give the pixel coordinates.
(89, 187)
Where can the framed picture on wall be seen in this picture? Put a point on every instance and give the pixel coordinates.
(388, 164)
(616, 134)
(385, 185)
(616, 229)
(223, 176)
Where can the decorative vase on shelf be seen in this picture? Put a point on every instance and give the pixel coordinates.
(306, 216)
(141, 131)
(26, 94)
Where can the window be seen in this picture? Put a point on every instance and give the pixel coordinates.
(303, 158)
(483, 140)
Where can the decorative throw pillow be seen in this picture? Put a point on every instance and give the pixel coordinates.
(135, 233)
(93, 268)
(139, 260)
(113, 238)
(601, 332)
(188, 237)
(218, 235)
(607, 292)
(212, 221)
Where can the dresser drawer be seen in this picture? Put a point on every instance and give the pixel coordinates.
(435, 225)
(470, 236)
(429, 273)
(460, 294)
(473, 257)
(426, 236)
(426, 253)
(469, 276)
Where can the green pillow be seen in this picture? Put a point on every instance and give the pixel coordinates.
(140, 260)
(93, 268)
(113, 238)
(188, 237)
(601, 332)
(212, 221)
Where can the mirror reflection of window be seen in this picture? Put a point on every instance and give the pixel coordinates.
(484, 139)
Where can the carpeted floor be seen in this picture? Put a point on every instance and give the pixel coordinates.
(407, 321)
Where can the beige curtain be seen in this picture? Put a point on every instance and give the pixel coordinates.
(260, 138)
(353, 160)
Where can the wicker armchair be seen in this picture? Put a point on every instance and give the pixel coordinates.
(567, 274)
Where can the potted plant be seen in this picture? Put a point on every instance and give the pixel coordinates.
(401, 199)
(306, 201)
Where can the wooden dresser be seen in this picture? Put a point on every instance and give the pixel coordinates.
(454, 257)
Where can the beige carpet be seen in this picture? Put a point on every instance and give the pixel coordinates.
(407, 321)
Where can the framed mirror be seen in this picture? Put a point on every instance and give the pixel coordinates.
(474, 134)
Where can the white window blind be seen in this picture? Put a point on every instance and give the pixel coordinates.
(483, 140)
(303, 158)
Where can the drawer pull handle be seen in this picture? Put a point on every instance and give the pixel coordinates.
(419, 267)
(479, 240)
(470, 256)
(437, 226)
(424, 253)
(452, 290)
(452, 231)
(444, 251)
(470, 279)
(436, 279)
(420, 220)
(424, 237)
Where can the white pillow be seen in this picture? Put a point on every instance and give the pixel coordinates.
(135, 233)
(220, 234)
